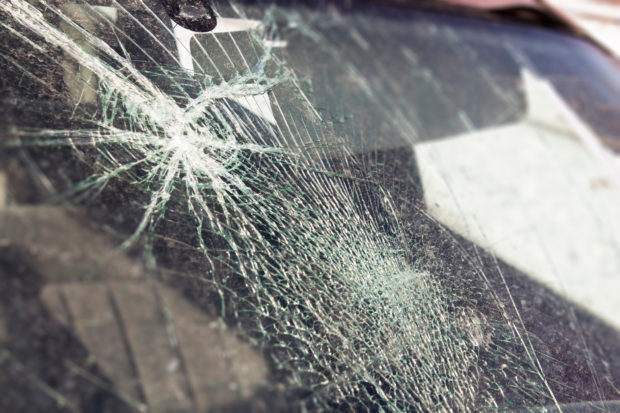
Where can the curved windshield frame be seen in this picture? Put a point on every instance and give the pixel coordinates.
(307, 207)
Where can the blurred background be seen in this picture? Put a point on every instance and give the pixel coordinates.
(600, 18)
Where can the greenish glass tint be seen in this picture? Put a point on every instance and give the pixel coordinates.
(240, 220)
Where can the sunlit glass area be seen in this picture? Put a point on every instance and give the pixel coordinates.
(231, 206)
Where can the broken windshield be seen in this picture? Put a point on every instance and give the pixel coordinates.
(230, 206)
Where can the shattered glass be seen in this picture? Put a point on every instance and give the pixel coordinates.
(304, 207)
